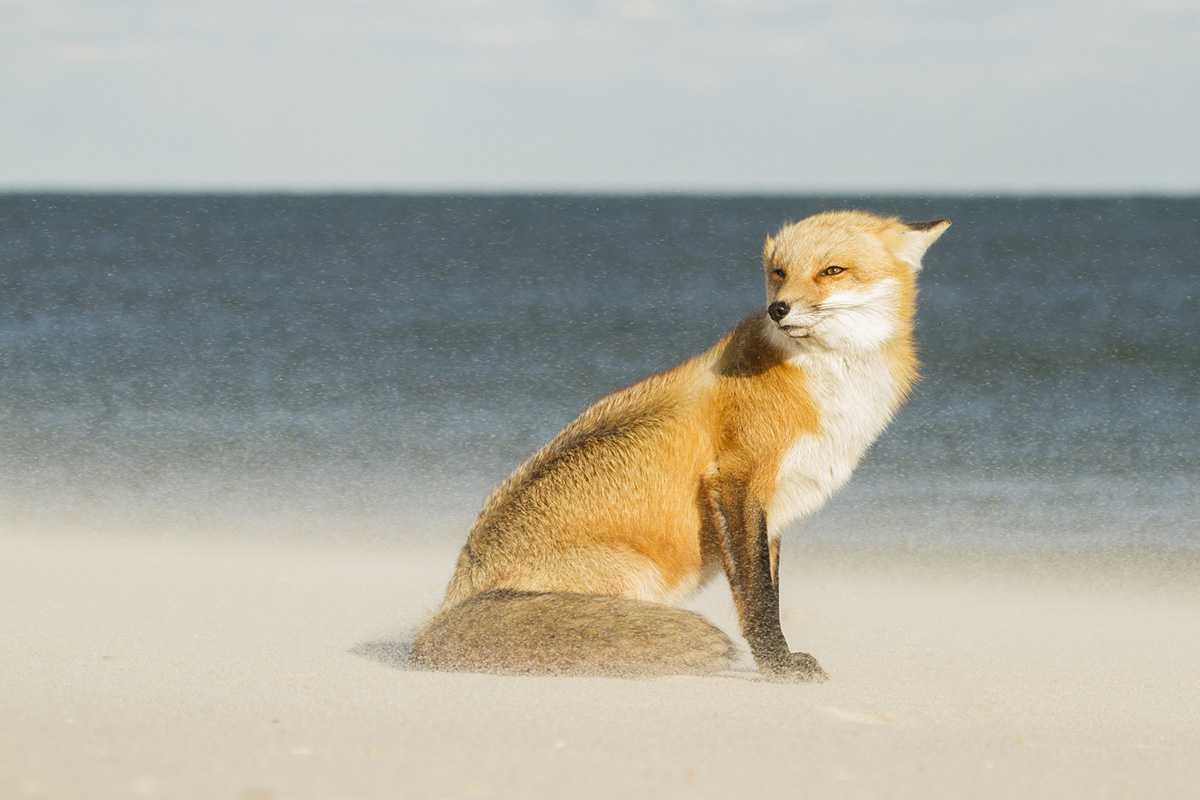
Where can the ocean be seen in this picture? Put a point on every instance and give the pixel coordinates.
(362, 369)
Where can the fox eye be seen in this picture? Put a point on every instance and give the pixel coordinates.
(778, 273)
(834, 270)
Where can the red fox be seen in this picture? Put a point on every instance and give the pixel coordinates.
(576, 559)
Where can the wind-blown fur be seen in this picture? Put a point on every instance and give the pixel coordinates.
(574, 561)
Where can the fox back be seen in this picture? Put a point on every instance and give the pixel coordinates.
(696, 470)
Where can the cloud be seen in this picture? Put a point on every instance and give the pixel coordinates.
(643, 94)
(98, 53)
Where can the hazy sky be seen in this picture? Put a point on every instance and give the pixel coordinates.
(648, 94)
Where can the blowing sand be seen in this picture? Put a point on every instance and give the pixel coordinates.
(156, 670)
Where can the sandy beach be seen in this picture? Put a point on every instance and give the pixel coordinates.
(166, 670)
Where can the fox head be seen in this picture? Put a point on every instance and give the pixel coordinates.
(845, 280)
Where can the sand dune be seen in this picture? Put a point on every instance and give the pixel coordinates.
(143, 669)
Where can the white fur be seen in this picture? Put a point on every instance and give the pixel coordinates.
(914, 244)
(851, 385)
(859, 320)
(682, 591)
(847, 320)
(855, 395)
(645, 582)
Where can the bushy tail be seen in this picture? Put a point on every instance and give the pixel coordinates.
(565, 633)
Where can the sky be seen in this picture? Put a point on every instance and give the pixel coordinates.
(645, 95)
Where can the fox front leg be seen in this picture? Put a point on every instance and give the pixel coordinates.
(751, 563)
(774, 553)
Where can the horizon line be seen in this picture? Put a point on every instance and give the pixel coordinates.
(535, 191)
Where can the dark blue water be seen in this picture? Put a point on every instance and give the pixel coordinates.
(366, 367)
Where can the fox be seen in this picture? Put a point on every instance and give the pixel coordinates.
(577, 560)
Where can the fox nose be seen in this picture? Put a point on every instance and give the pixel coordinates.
(778, 310)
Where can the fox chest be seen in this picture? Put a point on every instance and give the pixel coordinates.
(854, 398)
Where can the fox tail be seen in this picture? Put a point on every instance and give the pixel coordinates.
(565, 633)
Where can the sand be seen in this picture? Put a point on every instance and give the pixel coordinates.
(153, 669)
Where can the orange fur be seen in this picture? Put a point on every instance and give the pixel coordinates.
(619, 503)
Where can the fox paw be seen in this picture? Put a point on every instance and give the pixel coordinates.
(797, 667)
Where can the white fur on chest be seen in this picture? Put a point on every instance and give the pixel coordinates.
(855, 396)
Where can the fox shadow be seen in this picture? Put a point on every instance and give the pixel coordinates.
(395, 653)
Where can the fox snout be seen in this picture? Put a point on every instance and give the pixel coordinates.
(785, 314)
(797, 319)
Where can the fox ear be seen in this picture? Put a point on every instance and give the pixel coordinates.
(915, 239)
(768, 249)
